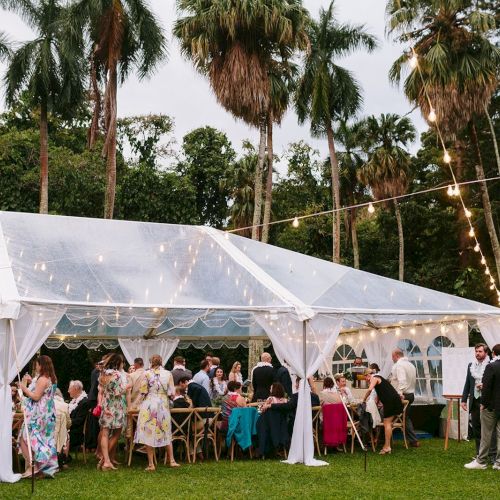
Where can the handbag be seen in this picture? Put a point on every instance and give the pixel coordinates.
(97, 411)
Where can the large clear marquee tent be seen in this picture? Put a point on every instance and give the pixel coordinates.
(109, 279)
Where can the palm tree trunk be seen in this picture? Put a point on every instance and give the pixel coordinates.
(354, 237)
(44, 160)
(96, 98)
(401, 241)
(109, 149)
(335, 193)
(269, 180)
(257, 207)
(463, 239)
(493, 136)
(488, 215)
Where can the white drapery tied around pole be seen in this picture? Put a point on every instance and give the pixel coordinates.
(145, 348)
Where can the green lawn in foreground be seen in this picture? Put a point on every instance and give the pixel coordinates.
(427, 472)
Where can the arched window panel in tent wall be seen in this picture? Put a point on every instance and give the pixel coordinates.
(414, 355)
(434, 358)
(343, 358)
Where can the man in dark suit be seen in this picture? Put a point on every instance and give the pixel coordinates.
(179, 370)
(490, 413)
(79, 409)
(472, 390)
(283, 377)
(262, 377)
(93, 422)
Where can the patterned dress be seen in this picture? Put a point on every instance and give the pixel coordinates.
(114, 402)
(41, 422)
(154, 426)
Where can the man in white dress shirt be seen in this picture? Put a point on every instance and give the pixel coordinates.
(202, 377)
(404, 378)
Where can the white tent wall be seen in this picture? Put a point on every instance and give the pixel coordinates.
(20, 339)
(145, 348)
(490, 330)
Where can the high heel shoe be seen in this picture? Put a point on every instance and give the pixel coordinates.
(385, 452)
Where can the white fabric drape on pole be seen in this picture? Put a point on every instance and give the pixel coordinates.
(490, 330)
(304, 346)
(30, 330)
(145, 348)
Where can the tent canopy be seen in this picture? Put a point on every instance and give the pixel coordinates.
(122, 278)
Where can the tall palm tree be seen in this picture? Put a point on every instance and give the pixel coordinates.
(459, 66)
(282, 79)
(234, 44)
(351, 159)
(4, 46)
(47, 69)
(328, 92)
(388, 167)
(124, 35)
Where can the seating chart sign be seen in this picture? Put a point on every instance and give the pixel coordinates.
(455, 362)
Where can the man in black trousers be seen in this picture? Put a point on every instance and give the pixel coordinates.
(490, 414)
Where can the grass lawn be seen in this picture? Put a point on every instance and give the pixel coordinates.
(427, 472)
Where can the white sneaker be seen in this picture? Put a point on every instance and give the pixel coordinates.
(496, 466)
(475, 465)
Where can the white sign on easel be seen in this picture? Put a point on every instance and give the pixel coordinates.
(455, 363)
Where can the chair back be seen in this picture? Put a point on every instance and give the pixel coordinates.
(399, 421)
(180, 427)
(334, 424)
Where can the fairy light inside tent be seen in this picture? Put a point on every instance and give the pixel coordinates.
(414, 63)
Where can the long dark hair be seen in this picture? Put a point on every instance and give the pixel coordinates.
(277, 390)
(212, 383)
(113, 362)
(46, 368)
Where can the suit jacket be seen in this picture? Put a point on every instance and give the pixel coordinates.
(468, 392)
(198, 395)
(490, 393)
(262, 379)
(78, 416)
(94, 386)
(283, 377)
(177, 374)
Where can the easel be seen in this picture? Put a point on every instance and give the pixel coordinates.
(450, 400)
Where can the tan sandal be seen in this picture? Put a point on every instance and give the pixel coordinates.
(150, 468)
(174, 464)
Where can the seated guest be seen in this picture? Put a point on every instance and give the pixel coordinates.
(344, 391)
(262, 378)
(218, 386)
(232, 399)
(277, 394)
(63, 423)
(329, 394)
(235, 373)
(180, 401)
(213, 367)
(179, 370)
(78, 410)
(391, 402)
(196, 392)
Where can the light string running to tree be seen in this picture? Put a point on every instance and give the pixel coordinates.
(455, 189)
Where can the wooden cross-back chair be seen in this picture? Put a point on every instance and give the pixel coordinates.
(181, 430)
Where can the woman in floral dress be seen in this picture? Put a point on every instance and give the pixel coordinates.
(154, 426)
(40, 419)
(114, 409)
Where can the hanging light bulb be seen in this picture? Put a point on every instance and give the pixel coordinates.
(100, 258)
(471, 232)
(414, 61)
(162, 247)
(432, 115)
(450, 190)
(468, 213)
(456, 191)
(476, 248)
(371, 208)
(483, 261)
(487, 271)
(492, 280)
(492, 287)
(295, 222)
(447, 157)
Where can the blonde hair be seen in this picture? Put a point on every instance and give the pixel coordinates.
(235, 364)
(155, 361)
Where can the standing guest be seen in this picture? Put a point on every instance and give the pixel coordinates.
(114, 409)
(208, 357)
(78, 411)
(404, 378)
(233, 399)
(490, 414)
(329, 394)
(136, 380)
(63, 423)
(284, 378)
(154, 428)
(213, 367)
(262, 378)
(40, 419)
(179, 370)
(391, 402)
(202, 377)
(92, 440)
(235, 373)
(472, 390)
(358, 362)
(218, 386)
(344, 391)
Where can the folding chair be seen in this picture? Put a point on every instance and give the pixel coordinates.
(205, 427)
(316, 412)
(83, 446)
(399, 422)
(133, 416)
(180, 431)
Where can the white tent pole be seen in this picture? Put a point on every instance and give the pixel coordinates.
(304, 359)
